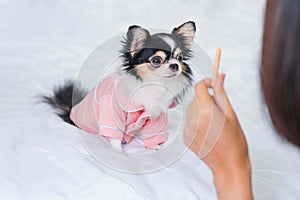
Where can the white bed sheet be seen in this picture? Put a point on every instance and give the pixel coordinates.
(45, 42)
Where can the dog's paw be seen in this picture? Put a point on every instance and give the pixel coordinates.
(116, 144)
(156, 111)
(155, 147)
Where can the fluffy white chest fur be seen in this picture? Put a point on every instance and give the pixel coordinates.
(156, 96)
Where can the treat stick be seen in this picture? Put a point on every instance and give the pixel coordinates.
(217, 64)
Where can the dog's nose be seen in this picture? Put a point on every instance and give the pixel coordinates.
(174, 67)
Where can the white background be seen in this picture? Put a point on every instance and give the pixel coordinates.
(44, 42)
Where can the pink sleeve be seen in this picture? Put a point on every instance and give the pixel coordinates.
(155, 131)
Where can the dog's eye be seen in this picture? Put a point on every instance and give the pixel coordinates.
(179, 57)
(156, 61)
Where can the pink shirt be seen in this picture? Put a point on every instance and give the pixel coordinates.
(107, 112)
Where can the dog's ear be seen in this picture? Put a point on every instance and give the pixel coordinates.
(187, 30)
(136, 38)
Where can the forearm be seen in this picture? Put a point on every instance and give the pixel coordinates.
(233, 186)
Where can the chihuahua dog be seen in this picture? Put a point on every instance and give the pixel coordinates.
(134, 100)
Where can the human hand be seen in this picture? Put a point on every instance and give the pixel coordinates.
(212, 131)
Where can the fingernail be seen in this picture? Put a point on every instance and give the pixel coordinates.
(223, 77)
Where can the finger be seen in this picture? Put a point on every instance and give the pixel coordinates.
(201, 92)
(208, 82)
(220, 95)
(219, 92)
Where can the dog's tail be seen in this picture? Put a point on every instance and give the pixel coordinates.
(64, 98)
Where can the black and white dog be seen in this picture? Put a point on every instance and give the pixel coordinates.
(160, 63)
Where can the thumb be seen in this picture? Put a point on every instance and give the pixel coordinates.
(220, 96)
(201, 93)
